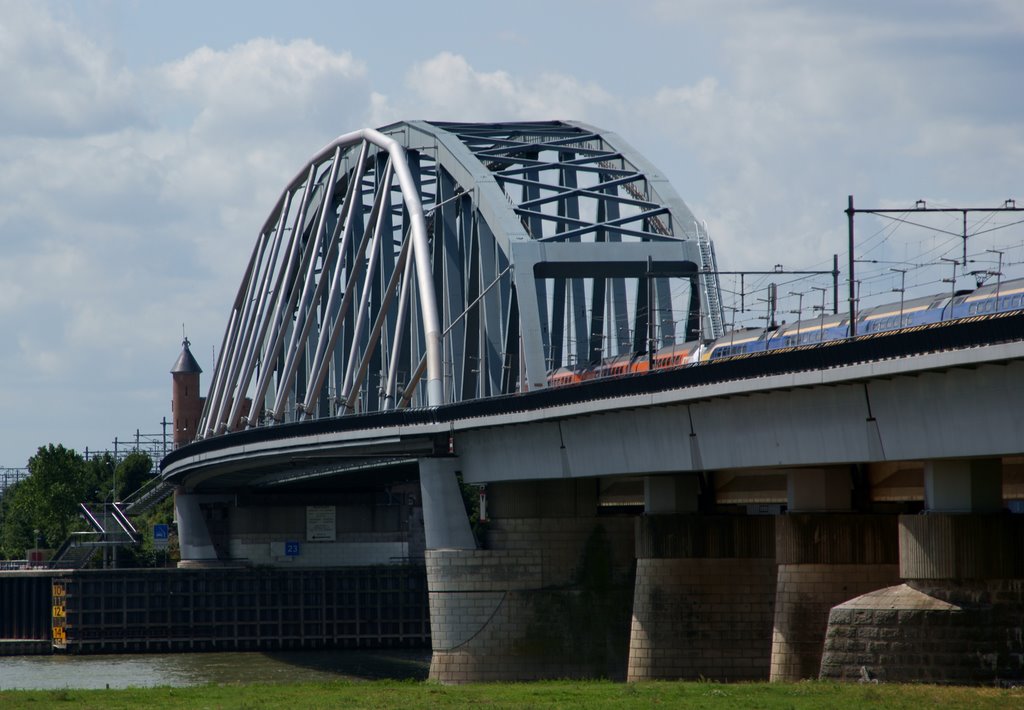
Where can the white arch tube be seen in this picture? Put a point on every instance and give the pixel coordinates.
(420, 247)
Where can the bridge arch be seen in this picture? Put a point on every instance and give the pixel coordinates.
(425, 263)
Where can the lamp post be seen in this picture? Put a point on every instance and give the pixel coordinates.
(799, 304)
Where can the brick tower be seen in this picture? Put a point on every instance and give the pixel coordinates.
(186, 404)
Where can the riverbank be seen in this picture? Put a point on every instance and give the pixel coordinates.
(412, 694)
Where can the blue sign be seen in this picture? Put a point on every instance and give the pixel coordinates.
(161, 532)
(291, 549)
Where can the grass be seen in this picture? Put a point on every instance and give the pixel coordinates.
(409, 695)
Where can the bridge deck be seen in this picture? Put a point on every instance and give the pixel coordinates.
(387, 438)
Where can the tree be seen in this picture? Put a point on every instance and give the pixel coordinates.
(47, 500)
(43, 508)
(99, 475)
(134, 470)
(16, 525)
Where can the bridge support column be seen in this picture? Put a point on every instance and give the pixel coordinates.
(824, 558)
(704, 597)
(958, 615)
(197, 542)
(547, 597)
(445, 524)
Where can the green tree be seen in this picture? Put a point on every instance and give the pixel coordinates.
(135, 470)
(47, 500)
(44, 507)
(16, 523)
(99, 478)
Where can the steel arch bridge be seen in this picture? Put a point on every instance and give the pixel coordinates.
(426, 263)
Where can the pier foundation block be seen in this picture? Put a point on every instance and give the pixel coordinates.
(957, 618)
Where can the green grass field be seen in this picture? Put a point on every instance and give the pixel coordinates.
(408, 695)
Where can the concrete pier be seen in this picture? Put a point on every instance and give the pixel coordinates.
(823, 560)
(548, 597)
(704, 597)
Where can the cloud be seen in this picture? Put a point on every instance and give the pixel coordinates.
(263, 85)
(808, 103)
(129, 202)
(448, 87)
(257, 110)
(56, 82)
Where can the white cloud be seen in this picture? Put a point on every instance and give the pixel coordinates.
(264, 84)
(121, 228)
(810, 103)
(56, 81)
(448, 87)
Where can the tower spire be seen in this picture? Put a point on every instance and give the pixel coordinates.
(186, 404)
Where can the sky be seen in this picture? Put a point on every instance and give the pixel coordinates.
(142, 146)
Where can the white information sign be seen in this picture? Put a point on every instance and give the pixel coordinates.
(320, 523)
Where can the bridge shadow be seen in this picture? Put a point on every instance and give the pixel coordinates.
(377, 664)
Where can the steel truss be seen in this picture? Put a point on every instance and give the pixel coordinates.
(428, 263)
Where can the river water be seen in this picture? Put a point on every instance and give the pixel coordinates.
(185, 669)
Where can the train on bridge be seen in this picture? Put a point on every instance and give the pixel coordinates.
(985, 300)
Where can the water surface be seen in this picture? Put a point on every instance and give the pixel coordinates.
(185, 669)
